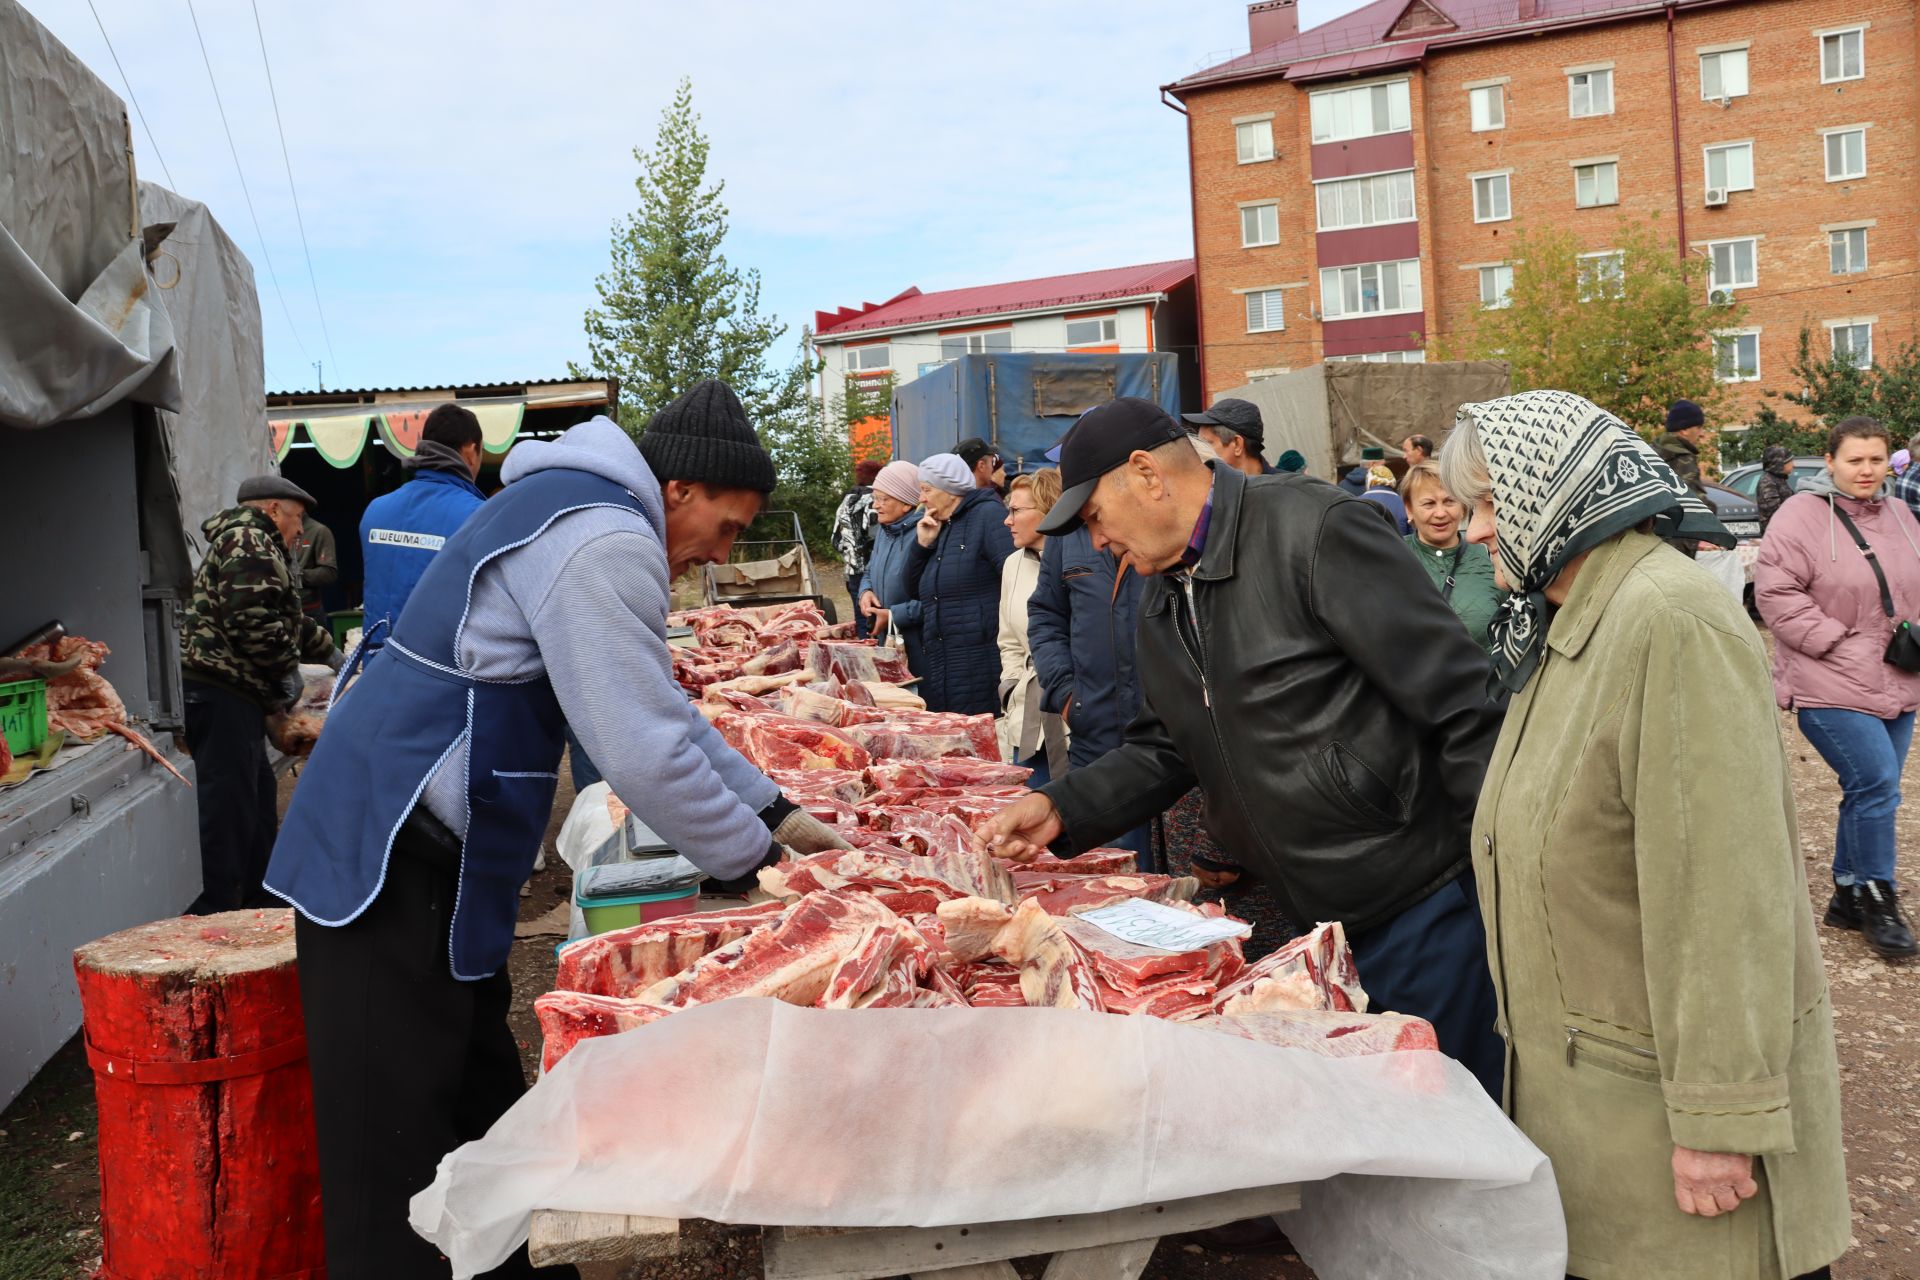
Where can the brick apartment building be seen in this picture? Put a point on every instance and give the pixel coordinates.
(1356, 186)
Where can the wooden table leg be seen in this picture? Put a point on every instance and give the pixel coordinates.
(975, 1271)
(1122, 1261)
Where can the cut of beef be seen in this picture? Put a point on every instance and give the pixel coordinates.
(888, 959)
(1314, 971)
(1336, 1035)
(1097, 862)
(623, 962)
(971, 924)
(1054, 972)
(1062, 895)
(831, 659)
(568, 1017)
(781, 742)
(1128, 966)
(960, 771)
(782, 657)
(790, 961)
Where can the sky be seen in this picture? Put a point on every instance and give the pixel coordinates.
(460, 166)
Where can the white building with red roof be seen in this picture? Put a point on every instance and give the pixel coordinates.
(1144, 308)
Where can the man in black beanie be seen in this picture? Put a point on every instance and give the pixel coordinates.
(421, 811)
(1680, 445)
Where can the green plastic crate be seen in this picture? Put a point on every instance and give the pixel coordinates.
(343, 622)
(23, 715)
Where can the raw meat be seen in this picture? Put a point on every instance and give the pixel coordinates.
(791, 961)
(783, 657)
(856, 660)
(623, 962)
(971, 924)
(1098, 862)
(1128, 966)
(889, 958)
(1314, 971)
(758, 686)
(780, 742)
(886, 775)
(1337, 1035)
(568, 1017)
(1054, 972)
(1064, 894)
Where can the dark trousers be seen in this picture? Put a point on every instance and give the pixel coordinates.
(862, 624)
(234, 791)
(1431, 961)
(408, 1062)
(579, 764)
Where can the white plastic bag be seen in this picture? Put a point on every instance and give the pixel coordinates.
(1727, 570)
(752, 1111)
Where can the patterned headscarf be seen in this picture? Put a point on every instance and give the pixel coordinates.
(1567, 475)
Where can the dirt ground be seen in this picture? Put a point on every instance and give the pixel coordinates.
(49, 1186)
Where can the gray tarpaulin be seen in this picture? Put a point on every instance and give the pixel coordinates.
(94, 311)
(1330, 412)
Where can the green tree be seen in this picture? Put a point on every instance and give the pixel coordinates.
(1631, 334)
(1828, 389)
(673, 310)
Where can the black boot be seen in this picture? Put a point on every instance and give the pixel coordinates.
(1881, 923)
(1843, 910)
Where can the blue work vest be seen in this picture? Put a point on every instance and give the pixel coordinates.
(401, 531)
(406, 714)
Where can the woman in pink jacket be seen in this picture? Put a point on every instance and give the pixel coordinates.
(1832, 618)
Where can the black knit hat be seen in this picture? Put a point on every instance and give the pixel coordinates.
(1684, 414)
(704, 438)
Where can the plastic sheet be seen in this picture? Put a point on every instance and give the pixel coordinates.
(751, 1111)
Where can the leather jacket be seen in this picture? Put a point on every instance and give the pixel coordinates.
(1323, 696)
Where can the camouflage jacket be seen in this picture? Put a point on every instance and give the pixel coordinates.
(1684, 457)
(244, 628)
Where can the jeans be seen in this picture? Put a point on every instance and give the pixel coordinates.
(1868, 754)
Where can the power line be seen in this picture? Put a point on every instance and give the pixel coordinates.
(265, 252)
(130, 98)
(288, 159)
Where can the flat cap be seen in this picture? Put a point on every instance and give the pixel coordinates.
(267, 488)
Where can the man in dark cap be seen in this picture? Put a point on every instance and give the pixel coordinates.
(989, 469)
(1234, 429)
(1680, 444)
(423, 807)
(241, 646)
(1340, 775)
(1775, 485)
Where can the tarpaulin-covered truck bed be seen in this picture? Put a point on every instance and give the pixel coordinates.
(1330, 412)
(1021, 404)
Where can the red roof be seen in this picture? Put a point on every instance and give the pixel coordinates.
(914, 308)
(1367, 37)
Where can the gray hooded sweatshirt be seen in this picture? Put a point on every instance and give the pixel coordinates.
(586, 603)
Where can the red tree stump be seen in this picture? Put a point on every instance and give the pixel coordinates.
(207, 1159)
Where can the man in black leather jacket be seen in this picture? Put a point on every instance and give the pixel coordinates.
(1321, 694)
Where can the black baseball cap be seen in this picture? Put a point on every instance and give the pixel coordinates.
(1104, 437)
(973, 449)
(1241, 416)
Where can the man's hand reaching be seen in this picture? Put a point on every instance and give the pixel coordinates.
(1021, 831)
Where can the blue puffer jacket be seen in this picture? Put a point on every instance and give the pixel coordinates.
(959, 589)
(401, 530)
(1081, 634)
(887, 577)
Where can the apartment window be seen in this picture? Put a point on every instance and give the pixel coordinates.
(1373, 287)
(1590, 93)
(1852, 344)
(1381, 357)
(1259, 224)
(1843, 55)
(1488, 105)
(1846, 154)
(1340, 114)
(1730, 166)
(869, 359)
(1848, 250)
(1596, 184)
(1365, 202)
(1492, 197)
(1735, 266)
(1254, 140)
(1092, 332)
(1496, 286)
(1266, 311)
(1723, 74)
(993, 342)
(1736, 356)
(1603, 274)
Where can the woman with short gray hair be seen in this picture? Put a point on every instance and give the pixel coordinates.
(1668, 1031)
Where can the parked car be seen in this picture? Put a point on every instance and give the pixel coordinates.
(1745, 478)
(1736, 511)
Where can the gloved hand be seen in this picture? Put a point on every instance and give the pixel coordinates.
(803, 833)
(336, 660)
(292, 686)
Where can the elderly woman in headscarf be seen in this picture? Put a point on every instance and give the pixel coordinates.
(1669, 1036)
(959, 545)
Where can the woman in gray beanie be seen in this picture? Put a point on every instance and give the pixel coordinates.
(959, 546)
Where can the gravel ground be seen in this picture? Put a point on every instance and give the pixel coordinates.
(49, 1186)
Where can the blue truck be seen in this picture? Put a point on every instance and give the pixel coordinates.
(1021, 404)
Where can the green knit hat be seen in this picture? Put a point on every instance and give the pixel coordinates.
(704, 438)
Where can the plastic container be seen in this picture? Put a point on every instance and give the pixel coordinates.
(617, 895)
(343, 624)
(23, 714)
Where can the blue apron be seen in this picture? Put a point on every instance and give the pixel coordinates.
(407, 713)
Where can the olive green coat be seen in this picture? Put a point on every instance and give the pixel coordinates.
(1650, 936)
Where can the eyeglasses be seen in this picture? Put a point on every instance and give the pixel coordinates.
(1014, 511)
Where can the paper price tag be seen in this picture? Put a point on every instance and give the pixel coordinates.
(1149, 924)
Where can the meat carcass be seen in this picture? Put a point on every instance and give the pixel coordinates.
(781, 658)
(1096, 862)
(970, 925)
(624, 962)
(959, 771)
(780, 742)
(1054, 972)
(857, 660)
(568, 1017)
(884, 968)
(1314, 971)
(1065, 894)
(1333, 1034)
(790, 961)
